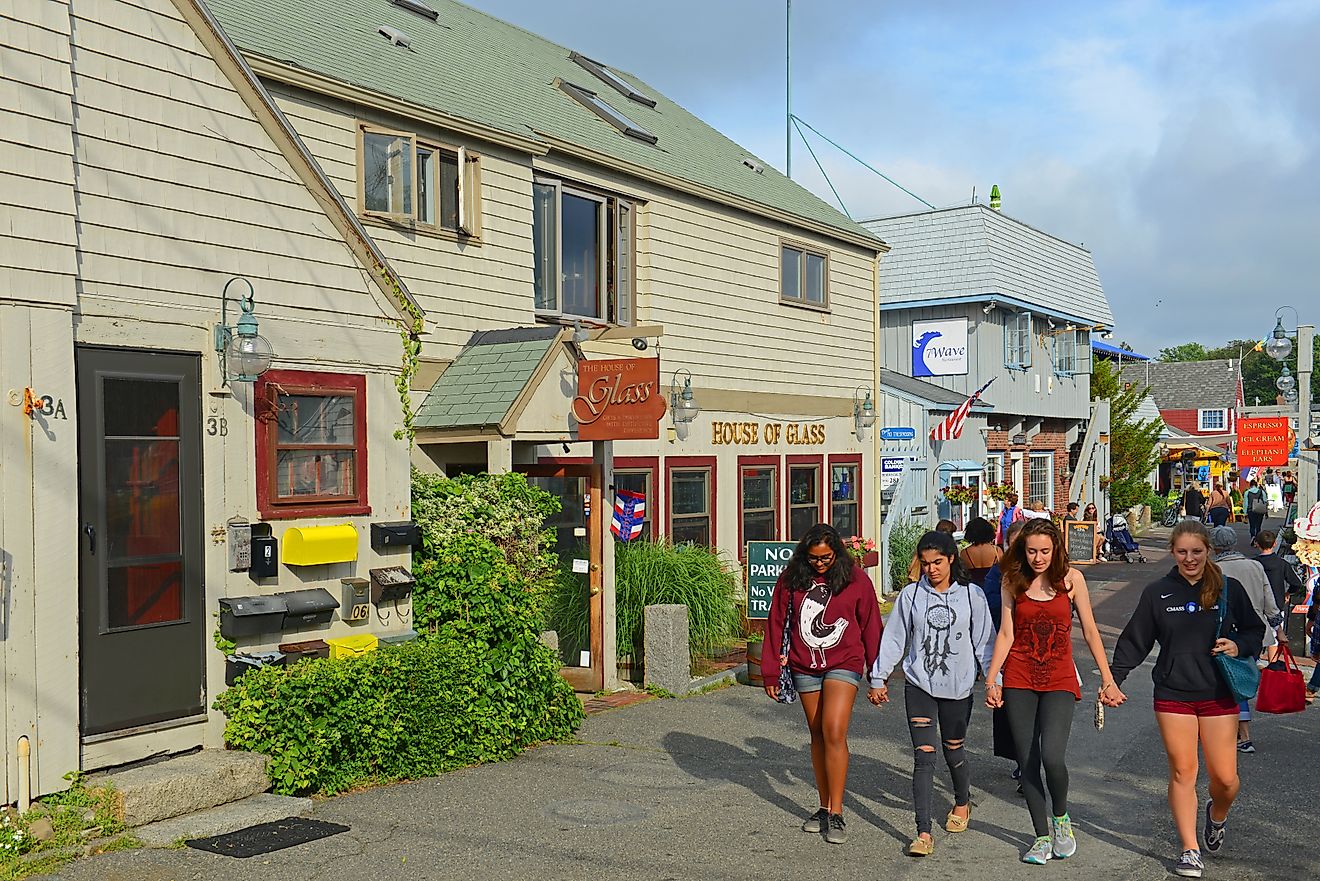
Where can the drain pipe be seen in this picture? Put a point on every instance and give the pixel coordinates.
(24, 774)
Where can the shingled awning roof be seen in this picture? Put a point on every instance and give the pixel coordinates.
(479, 390)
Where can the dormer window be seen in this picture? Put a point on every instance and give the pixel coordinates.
(611, 79)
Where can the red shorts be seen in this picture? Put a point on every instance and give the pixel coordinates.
(1224, 706)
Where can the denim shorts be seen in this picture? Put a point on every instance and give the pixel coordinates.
(805, 682)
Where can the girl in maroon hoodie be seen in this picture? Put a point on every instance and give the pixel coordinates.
(834, 636)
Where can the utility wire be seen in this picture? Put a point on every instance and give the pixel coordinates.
(799, 120)
(823, 172)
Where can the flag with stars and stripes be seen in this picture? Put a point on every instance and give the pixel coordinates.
(952, 425)
(629, 515)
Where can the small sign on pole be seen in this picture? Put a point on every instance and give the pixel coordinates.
(765, 561)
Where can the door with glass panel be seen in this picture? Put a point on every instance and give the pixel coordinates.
(141, 592)
(576, 608)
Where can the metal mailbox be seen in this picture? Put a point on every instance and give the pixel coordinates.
(392, 536)
(237, 665)
(309, 608)
(391, 584)
(249, 616)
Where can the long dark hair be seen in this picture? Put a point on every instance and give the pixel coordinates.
(1017, 572)
(799, 573)
(979, 531)
(944, 544)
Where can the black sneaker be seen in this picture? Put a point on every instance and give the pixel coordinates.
(816, 822)
(834, 831)
(1189, 865)
(1213, 833)
(1246, 746)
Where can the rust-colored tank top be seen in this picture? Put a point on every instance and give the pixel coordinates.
(1041, 658)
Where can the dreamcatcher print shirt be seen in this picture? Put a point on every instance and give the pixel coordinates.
(1041, 658)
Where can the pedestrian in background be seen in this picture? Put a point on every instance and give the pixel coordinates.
(1003, 735)
(1041, 687)
(1091, 515)
(1220, 506)
(1071, 513)
(1193, 703)
(1251, 575)
(940, 669)
(1285, 584)
(1256, 505)
(1007, 517)
(833, 639)
(981, 553)
(1194, 503)
(1289, 493)
(1037, 511)
(948, 527)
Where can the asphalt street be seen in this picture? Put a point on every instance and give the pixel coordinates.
(714, 787)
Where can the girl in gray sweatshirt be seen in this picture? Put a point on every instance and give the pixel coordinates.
(942, 632)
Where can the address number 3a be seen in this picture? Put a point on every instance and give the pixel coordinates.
(217, 425)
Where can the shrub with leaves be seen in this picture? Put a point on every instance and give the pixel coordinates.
(903, 538)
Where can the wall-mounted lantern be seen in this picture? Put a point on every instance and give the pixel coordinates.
(244, 353)
(682, 406)
(863, 410)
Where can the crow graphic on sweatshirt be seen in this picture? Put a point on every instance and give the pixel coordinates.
(816, 634)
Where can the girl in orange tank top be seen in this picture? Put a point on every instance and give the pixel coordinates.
(1041, 657)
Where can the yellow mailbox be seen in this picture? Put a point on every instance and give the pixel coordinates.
(313, 545)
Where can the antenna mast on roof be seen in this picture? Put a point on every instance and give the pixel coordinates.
(788, 88)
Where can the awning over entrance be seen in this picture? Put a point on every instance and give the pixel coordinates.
(960, 465)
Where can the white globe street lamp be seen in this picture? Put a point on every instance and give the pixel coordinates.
(1285, 383)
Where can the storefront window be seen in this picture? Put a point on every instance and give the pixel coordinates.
(689, 505)
(638, 482)
(759, 512)
(843, 500)
(803, 499)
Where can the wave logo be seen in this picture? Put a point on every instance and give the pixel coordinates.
(939, 348)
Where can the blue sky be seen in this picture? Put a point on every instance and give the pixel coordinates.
(1176, 140)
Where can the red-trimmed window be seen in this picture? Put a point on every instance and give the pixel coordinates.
(846, 493)
(637, 474)
(690, 496)
(758, 500)
(311, 444)
(806, 495)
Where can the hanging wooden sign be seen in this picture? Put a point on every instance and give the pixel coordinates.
(619, 399)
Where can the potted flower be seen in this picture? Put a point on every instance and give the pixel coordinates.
(862, 550)
(999, 491)
(957, 494)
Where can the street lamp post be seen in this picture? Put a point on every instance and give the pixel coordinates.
(1298, 391)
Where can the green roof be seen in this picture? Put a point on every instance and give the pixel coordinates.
(480, 387)
(476, 67)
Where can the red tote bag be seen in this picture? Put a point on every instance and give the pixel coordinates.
(1282, 689)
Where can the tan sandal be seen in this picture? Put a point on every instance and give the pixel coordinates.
(955, 823)
(921, 847)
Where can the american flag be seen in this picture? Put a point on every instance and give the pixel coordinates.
(629, 515)
(952, 426)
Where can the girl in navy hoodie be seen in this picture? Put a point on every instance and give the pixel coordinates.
(834, 637)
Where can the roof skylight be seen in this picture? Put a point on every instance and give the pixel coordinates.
(592, 102)
(610, 78)
(418, 7)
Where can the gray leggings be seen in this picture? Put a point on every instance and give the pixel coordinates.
(1041, 722)
(952, 716)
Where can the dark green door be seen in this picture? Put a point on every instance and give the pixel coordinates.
(140, 577)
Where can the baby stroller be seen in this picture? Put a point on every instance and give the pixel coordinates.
(1119, 543)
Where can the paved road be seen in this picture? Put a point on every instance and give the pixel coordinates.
(714, 787)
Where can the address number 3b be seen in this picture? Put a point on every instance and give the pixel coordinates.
(217, 425)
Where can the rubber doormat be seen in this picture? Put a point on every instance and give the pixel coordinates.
(267, 837)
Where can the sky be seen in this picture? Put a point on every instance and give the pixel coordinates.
(1177, 141)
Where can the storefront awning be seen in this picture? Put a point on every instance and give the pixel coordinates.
(960, 465)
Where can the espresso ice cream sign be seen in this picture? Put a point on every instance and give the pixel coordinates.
(619, 399)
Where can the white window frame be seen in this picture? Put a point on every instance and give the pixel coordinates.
(468, 203)
(617, 247)
(801, 299)
(1221, 412)
(994, 468)
(1017, 341)
(1072, 352)
(1028, 484)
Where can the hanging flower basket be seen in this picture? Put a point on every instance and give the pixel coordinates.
(1000, 491)
(957, 494)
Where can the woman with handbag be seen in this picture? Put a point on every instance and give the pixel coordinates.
(941, 631)
(1041, 686)
(822, 636)
(1209, 636)
(1256, 504)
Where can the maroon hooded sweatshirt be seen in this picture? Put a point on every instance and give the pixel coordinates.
(828, 632)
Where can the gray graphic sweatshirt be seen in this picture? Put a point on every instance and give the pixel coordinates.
(941, 638)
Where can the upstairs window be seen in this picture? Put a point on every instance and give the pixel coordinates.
(582, 248)
(1212, 420)
(407, 180)
(1072, 352)
(803, 276)
(1017, 340)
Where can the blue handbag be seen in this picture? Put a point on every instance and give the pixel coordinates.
(787, 693)
(1241, 675)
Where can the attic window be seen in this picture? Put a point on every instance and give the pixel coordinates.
(592, 102)
(610, 78)
(417, 7)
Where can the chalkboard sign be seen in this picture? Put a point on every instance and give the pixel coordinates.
(765, 560)
(1080, 540)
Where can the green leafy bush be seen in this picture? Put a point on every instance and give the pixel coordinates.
(402, 712)
(903, 538)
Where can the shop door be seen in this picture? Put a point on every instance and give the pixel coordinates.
(140, 552)
(576, 612)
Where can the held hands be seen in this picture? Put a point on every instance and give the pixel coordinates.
(994, 696)
(1225, 646)
(878, 695)
(1111, 695)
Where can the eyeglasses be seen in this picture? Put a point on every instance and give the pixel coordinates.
(823, 558)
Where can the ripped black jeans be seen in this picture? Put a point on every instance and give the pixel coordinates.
(931, 719)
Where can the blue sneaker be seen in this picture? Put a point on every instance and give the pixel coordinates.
(1189, 865)
(1213, 833)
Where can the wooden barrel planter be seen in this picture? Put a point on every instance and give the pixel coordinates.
(754, 663)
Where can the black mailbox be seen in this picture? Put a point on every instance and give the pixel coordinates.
(265, 552)
(391, 584)
(390, 536)
(249, 616)
(237, 665)
(308, 608)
